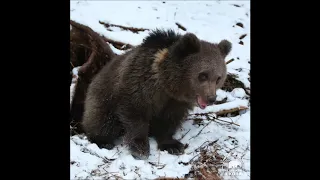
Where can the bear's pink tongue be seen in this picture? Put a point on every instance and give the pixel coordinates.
(202, 103)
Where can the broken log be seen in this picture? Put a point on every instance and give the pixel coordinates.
(117, 44)
(90, 52)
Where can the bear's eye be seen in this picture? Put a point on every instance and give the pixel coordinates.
(218, 80)
(203, 77)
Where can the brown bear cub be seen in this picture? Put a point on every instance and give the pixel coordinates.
(149, 90)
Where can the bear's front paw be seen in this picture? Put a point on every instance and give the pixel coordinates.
(172, 146)
(140, 149)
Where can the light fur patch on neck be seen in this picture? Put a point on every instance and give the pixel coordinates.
(160, 56)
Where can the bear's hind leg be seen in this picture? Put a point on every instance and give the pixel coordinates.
(136, 137)
(103, 131)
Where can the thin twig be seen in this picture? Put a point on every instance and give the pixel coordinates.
(71, 64)
(184, 135)
(208, 115)
(209, 144)
(181, 27)
(193, 157)
(226, 121)
(201, 130)
(230, 61)
(132, 29)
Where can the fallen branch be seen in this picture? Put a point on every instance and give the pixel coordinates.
(95, 36)
(180, 26)
(117, 44)
(219, 113)
(226, 111)
(90, 61)
(90, 53)
(72, 64)
(132, 29)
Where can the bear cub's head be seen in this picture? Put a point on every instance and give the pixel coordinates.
(192, 69)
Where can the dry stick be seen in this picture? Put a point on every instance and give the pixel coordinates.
(230, 61)
(132, 29)
(71, 64)
(226, 111)
(180, 26)
(87, 64)
(117, 44)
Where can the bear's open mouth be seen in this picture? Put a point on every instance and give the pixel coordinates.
(201, 102)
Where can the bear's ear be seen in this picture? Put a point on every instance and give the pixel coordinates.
(186, 45)
(225, 47)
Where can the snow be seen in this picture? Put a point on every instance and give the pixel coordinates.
(238, 92)
(115, 50)
(209, 20)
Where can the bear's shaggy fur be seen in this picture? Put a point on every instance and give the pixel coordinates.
(149, 90)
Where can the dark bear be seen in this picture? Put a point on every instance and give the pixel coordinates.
(149, 90)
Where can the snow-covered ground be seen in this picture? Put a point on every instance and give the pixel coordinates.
(209, 20)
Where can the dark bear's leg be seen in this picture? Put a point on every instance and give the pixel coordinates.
(166, 142)
(165, 126)
(136, 137)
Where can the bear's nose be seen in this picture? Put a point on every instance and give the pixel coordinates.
(211, 99)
